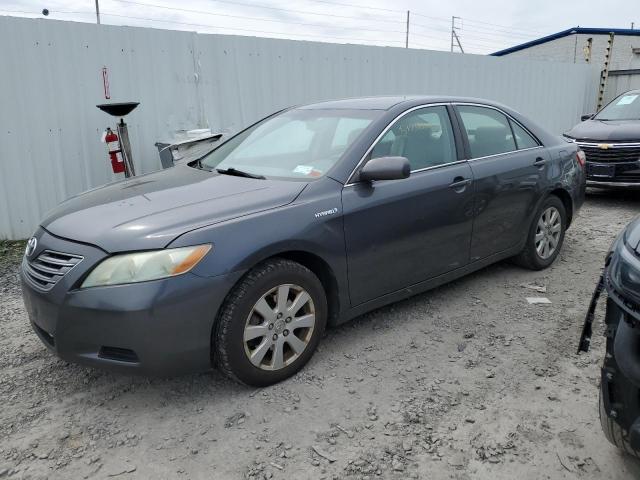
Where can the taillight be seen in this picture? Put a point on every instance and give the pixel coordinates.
(581, 157)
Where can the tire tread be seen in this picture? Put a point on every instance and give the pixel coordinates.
(233, 301)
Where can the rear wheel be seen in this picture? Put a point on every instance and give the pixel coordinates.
(270, 324)
(545, 236)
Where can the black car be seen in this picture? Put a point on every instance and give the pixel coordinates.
(620, 383)
(611, 141)
(312, 216)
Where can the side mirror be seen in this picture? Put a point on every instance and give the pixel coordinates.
(588, 116)
(385, 168)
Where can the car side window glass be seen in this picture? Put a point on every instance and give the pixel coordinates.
(488, 131)
(523, 138)
(424, 137)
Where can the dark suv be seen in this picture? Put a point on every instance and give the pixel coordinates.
(310, 217)
(620, 384)
(611, 141)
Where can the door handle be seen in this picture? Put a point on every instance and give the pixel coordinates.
(540, 162)
(459, 184)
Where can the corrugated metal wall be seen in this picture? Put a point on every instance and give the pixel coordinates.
(52, 80)
(620, 82)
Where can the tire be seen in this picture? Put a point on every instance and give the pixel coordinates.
(614, 432)
(254, 304)
(530, 257)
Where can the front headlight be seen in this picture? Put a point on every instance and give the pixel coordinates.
(143, 266)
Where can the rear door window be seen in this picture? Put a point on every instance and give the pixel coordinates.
(488, 131)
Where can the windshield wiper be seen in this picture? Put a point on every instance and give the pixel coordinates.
(238, 173)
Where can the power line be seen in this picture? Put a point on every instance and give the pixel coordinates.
(357, 6)
(233, 2)
(463, 30)
(498, 38)
(465, 20)
(509, 27)
(244, 17)
(243, 29)
(494, 31)
(478, 34)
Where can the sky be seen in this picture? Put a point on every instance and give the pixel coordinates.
(481, 26)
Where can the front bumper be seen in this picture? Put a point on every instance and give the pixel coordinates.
(160, 327)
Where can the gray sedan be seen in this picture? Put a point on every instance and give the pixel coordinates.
(308, 218)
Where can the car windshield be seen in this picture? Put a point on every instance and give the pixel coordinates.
(625, 107)
(296, 144)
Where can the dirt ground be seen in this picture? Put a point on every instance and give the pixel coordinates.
(464, 382)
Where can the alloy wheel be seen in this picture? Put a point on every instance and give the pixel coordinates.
(279, 327)
(548, 232)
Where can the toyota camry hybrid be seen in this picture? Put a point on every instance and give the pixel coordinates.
(310, 217)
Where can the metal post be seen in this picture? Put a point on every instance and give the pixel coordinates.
(97, 12)
(604, 75)
(452, 27)
(125, 146)
(406, 43)
(454, 35)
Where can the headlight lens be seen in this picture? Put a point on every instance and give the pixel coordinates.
(144, 266)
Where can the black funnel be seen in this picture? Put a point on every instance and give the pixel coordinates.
(118, 109)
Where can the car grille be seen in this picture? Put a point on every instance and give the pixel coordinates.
(49, 267)
(612, 154)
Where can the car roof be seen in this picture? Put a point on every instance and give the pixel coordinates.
(387, 102)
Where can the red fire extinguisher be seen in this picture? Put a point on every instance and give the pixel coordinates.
(115, 154)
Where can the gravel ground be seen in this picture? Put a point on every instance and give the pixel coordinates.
(464, 382)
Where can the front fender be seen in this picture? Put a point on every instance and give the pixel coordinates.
(313, 225)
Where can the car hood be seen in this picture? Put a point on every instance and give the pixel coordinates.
(151, 210)
(607, 131)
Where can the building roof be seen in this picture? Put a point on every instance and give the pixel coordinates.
(564, 33)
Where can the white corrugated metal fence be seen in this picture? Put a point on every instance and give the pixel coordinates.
(52, 79)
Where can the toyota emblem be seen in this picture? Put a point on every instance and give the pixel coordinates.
(31, 246)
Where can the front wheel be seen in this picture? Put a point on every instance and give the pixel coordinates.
(270, 324)
(545, 236)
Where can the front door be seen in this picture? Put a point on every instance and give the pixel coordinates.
(401, 232)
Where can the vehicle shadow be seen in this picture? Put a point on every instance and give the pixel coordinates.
(613, 197)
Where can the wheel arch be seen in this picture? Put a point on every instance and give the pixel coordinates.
(567, 201)
(325, 274)
(317, 264)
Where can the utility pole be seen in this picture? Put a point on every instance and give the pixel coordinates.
(406, 42)
(454, 34)
(453, 25)
(97, 12)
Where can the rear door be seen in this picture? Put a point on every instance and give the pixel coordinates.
(401, 232)
(508, 165)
